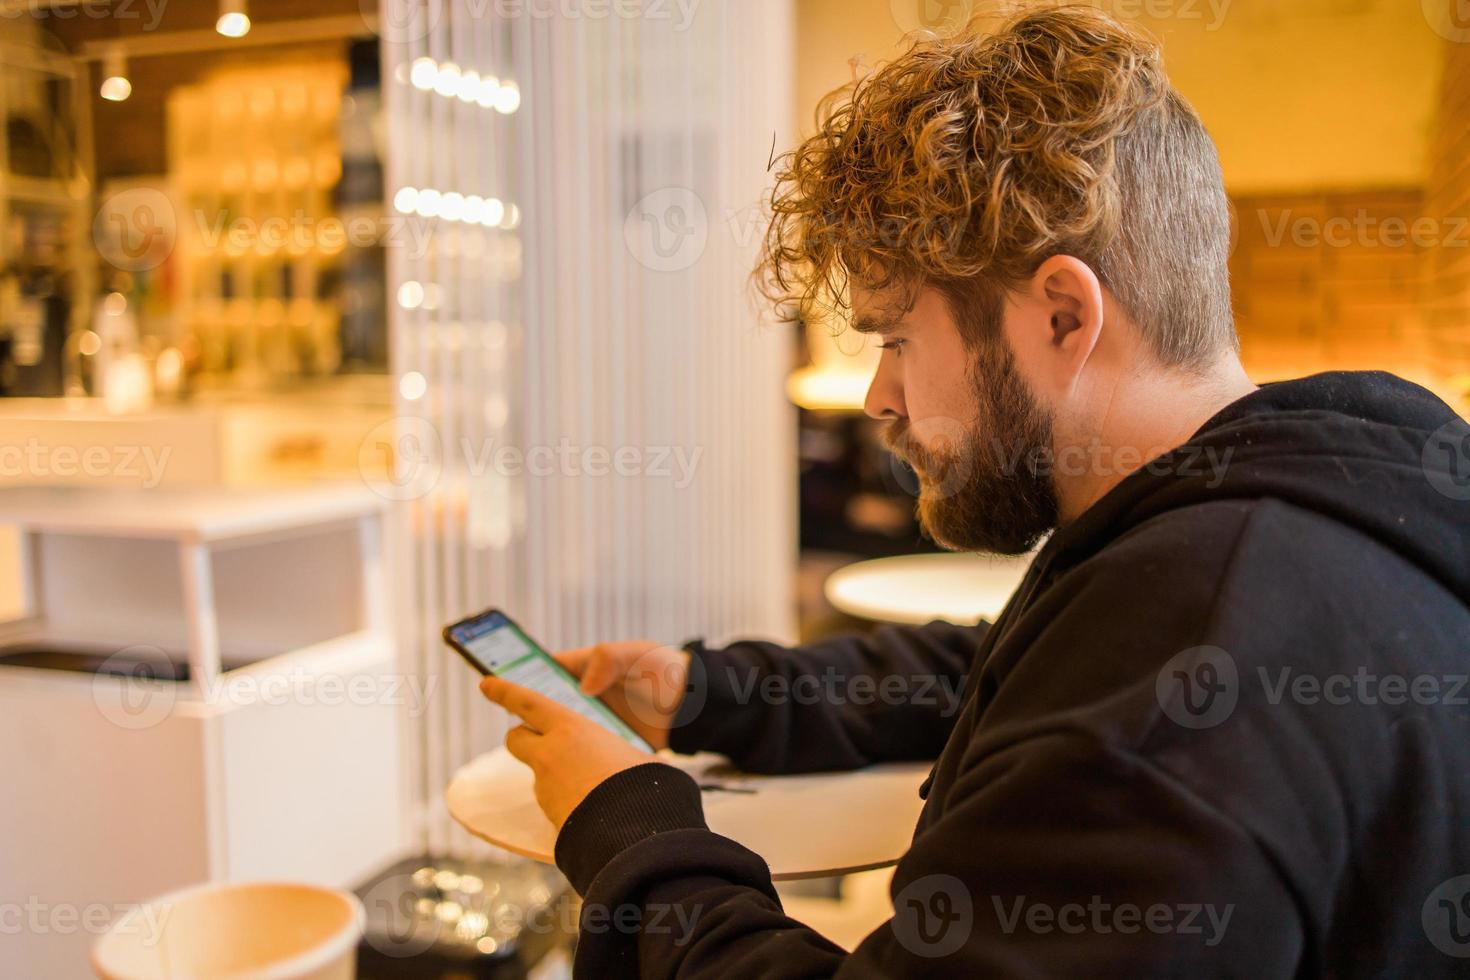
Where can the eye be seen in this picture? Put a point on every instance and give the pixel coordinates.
(895, 345)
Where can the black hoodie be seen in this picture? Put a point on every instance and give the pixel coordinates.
(1221, 730)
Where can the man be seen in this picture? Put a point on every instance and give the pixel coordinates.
(1221, 729)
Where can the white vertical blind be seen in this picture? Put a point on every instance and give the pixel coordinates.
(592, 432)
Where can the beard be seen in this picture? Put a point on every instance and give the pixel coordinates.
(986, 487)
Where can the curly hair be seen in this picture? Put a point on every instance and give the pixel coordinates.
(967, 161)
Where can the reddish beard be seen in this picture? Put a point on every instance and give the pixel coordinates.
(980, 488)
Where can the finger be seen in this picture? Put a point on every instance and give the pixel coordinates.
(535, 709)
(523, 743)
(602, 670)
(575, 661)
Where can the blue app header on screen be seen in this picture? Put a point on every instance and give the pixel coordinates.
(490, 622)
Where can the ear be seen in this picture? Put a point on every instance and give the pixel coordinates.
(1065, 301)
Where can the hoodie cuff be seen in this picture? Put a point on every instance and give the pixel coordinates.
(627, 807)
(705, 713)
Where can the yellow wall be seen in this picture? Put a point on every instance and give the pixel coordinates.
(1298, 94)
(12, 603)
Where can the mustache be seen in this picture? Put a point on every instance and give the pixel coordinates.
(893, 434)
(899, 439)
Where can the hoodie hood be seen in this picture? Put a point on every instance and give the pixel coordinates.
(1367, 449)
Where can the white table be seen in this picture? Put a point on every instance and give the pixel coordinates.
(807, 826)
(199, 522)
(279, 600)
(915, 589)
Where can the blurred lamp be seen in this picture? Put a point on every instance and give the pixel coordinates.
(115, 84)
(233, 20)
(842, 366)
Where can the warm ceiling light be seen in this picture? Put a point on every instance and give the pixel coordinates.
(233, 21)
(115, 84)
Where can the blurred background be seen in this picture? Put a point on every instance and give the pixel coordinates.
(325, 323)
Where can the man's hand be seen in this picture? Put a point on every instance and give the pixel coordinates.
(569, 754)
(641, 681)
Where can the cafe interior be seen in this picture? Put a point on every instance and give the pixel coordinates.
(327, 323)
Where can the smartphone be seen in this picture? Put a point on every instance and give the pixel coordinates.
(494, 644)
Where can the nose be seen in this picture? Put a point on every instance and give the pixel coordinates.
(885, 392)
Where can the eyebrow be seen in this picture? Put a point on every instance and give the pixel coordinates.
(880, 324)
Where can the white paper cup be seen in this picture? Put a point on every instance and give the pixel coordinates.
(247, 931)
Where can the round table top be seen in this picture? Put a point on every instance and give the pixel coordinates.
(914, 589)
(806, 826)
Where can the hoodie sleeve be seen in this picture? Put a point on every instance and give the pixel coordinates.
(890, 695)
(1056, 857)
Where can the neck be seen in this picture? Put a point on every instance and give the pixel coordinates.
(1143, 415)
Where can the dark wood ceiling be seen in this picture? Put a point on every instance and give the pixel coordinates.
(94, 21)
(129, 137)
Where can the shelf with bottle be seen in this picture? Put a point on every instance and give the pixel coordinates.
(43, 195)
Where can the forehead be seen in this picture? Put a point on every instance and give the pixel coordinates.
(878, 311)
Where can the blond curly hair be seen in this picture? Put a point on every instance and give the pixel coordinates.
(967, 161)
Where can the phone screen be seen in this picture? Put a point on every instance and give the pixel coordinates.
(497, 646)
